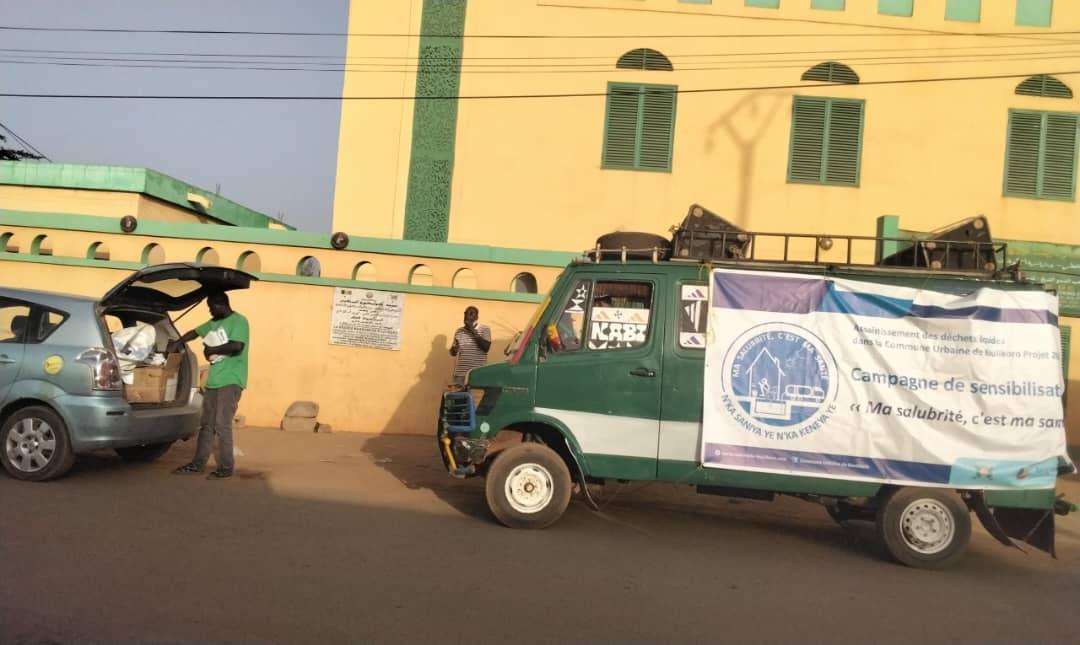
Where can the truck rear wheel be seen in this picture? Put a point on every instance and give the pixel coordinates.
(528, 486)
(925, 528)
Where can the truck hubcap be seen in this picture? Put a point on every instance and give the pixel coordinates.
(30, 445)
(529, 488)
(927, 526)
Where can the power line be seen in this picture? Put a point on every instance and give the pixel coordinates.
(170, 97)
(25, 144)
(338, 34)
(550, 68)
(334, 58)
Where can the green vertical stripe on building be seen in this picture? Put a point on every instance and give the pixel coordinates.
(431, 164)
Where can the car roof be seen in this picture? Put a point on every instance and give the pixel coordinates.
(46, 298)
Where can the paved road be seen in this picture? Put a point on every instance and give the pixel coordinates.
(334, 538)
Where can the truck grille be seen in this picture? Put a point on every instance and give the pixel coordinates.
(458, 412)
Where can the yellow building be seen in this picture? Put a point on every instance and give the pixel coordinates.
(545, 123)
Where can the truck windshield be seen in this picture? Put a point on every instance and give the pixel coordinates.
(513, 350)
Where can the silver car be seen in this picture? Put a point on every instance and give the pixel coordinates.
(61, 392)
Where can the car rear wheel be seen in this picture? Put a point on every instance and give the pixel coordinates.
(926, 528)
(144, 454)
(35, 445)
(528, 486)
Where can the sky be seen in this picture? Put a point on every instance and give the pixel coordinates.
(278, 158)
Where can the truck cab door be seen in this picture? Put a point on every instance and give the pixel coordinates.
(599, 372)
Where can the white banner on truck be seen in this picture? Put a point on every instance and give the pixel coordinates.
(845, 379)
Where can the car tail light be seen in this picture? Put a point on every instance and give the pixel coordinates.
(103, 368)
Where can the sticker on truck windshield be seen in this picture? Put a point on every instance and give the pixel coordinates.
(618, 328)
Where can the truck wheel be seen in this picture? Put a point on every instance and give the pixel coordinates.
(144, 454)
(528, 486)
(34, 445)
(926, 528)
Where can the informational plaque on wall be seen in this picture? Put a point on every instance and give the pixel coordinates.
(366, 318)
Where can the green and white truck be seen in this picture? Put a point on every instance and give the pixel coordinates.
(910, 390)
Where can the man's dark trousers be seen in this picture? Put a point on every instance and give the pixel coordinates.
(219, 408)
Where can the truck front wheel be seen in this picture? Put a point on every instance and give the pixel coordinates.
(528, 486)
(926, 528)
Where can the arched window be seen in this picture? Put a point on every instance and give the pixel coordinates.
(421, 276)
(249, 262)
(831, 72)
(97, 251)
(153, 254)
(1045, 86)
(364, 272)
(41, 246)
(523, 283)
(645, 59)
(465, 279)
(309, 266)
(207, 255)
(5, 244)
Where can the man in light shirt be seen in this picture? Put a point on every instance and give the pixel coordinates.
(471, 344)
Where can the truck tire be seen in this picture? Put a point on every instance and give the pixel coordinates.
(144, 454)
(637, 245)
(34, 445)
(528, 486)
(925, 528)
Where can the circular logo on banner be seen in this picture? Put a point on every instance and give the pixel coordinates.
(780, 375)
(53, 364)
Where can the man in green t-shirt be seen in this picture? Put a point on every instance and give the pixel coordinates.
(225, 342)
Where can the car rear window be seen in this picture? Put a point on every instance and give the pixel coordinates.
(48, 322)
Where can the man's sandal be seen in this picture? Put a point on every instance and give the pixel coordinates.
(188, 469)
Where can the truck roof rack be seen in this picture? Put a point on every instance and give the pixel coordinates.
(964, 248)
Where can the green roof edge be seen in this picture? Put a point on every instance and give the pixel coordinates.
(131, 179)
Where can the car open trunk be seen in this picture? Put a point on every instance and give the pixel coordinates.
(149, 298)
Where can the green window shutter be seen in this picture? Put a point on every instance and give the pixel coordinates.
(768, 4)
(1066, 332)
(1059, 157)
(1034, 13)
(807, 139)
(965, 10)
(640, 125)
(827, 5)
(657, 129)
(1045, 86)
(844, 142)
(1022, 164)
(1041, 155)
(826, 141)
(902, 8)
(620, 131)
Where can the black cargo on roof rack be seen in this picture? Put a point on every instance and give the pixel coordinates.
(965, 245)
(704, 235)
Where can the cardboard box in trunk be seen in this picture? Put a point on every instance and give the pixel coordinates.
(155, 384)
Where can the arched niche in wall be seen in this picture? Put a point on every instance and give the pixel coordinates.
(421, 276)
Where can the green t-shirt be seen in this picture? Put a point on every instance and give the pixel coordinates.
(228, 370)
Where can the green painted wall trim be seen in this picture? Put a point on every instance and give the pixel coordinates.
(474, 294)
(469, 252)
(1057, 266)
(130, 179)
(431, 162)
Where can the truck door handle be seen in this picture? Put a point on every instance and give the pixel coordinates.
(6, 360)
(642, 371)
